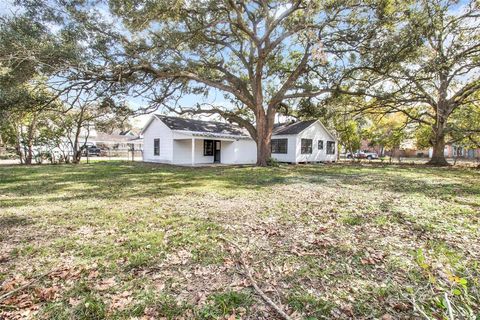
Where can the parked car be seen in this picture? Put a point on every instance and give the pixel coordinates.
(363, 155)
(92, 151)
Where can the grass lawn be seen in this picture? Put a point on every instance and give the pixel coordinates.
(130, 240)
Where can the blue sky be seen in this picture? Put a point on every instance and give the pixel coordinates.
(215, 97)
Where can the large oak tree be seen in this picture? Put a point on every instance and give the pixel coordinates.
(438, 76)
(261, 55)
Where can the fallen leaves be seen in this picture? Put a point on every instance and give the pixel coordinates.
(371, 257)
(105, 284)
(121, 301)
(294, 231)
(67, 272)
(47, 294)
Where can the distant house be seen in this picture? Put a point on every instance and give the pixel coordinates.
(458, 151)
(116, 141)
(191, 142)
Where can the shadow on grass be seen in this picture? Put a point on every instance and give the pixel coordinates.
(126, 180)
(13, 221)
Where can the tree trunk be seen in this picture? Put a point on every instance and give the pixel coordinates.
(31, 136)
(77, 152)
(438, 144)
(438, 155)
(264, 137)
(18, 144)
(263, 152)
(443, 111)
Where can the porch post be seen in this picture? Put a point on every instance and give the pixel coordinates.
(193, 151)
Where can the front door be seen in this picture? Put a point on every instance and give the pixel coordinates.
(216, 151)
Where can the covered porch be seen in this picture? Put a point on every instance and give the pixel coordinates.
(198, 149)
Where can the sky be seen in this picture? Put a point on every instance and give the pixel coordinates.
(215, 97)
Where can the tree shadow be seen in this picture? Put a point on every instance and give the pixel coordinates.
(13, 221)
(127, 180)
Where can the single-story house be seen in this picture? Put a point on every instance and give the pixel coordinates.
(183, 141)
(117, 141)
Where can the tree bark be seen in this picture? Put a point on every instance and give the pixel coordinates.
(77, 153)
(264, 126)
(31, 135)
(18, 147)
(438, 155)
(438, 143)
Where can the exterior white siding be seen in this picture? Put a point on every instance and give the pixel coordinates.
(294, 154)
(315, 132)
(291, 149)
(231, 152)
(176, 146)
(182, 151)
(245, 151)
(158, 130)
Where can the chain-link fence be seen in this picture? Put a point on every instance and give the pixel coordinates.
(115, 154)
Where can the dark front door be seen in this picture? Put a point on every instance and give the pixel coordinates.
(216, 151)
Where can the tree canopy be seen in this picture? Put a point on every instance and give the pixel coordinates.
(418, 58)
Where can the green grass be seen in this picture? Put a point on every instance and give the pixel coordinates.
(323, 241)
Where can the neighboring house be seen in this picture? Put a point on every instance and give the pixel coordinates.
(458, 151)
(116, 141)
(190, 142)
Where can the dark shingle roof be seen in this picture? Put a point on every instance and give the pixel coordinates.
(176, 123)
(292, 128)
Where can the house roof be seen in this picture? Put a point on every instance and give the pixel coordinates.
(293, 127)
(182, 124)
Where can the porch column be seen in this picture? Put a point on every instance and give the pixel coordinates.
(193, 151)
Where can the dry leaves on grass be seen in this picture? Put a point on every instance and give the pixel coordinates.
(47, 294)
(67, 273)
(121, 301)
(105, 284)
(372, 257)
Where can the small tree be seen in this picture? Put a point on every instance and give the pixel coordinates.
(87, 111)
(388, 131)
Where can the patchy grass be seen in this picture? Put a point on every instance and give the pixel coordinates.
(127, 240)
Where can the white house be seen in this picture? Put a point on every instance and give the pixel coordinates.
(192, 142)
(303, 141)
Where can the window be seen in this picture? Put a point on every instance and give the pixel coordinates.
(306, 146)
(330, 147)
(156, 147)
(279, 145)
(320, 144)
(208, 147)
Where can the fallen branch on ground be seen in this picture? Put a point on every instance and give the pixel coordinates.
(21, 288)
(417, 308)
(254, 283)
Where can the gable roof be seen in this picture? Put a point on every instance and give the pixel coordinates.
(292, 128)
(182, 124)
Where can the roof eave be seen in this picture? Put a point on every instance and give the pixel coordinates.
(212, 134)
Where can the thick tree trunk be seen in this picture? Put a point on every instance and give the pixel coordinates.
(438, 143)
(263, 152)
(264, 137)
(443, 111)
(438, 155)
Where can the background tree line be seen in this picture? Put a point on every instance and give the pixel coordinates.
(394, 64)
